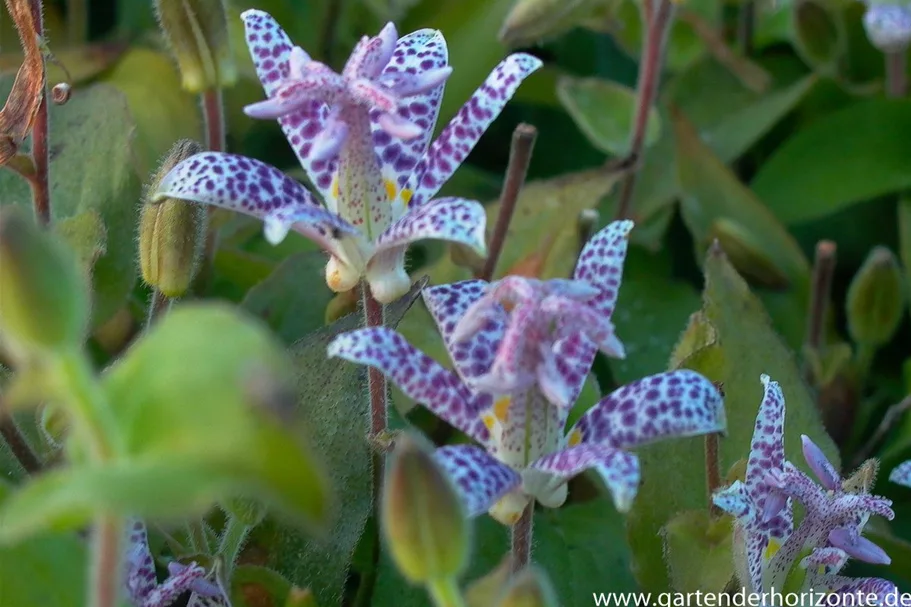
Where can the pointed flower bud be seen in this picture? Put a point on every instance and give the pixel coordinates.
(888, 26)
(533, 21)
(531, 588)
(423, 519)
(875, 299)
(197, 32)
(746, 253)
(171, 233)
(43, 301)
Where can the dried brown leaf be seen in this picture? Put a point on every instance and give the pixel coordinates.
(21, 106)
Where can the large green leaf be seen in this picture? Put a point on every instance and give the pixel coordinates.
(845, 157)
(45, 570)
(92, 171)
(332, 398)
(742, 347)
(579, 545)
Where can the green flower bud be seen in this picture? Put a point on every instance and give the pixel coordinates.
(53, 424)
(172, 233)
(745, 251)
(876, 299)
(533, 21)
(197, 31)
(248, 511)
(422, 516)
(531, 588)
(43, 299)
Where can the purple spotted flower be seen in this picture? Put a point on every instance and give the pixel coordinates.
(902, 474)
(888, 26)
(769, 549)
(363, 138)
(524, 451)
(143, 589)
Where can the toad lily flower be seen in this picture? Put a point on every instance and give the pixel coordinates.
(902, 474)
(768, 546)
(143, 589)
(523, 452)
(363, 138)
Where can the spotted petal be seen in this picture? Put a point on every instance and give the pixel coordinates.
(902, 474)
(673, 404)
(463, 132)
(420, 51)
(481, 479)
(884, 590)
(270, 47)
(566, 366)
(451, 219)
(820, 464)
(419, 376)
(257, 189)
(447, 304)
(619, 469)
(601, 264)
(140, 578)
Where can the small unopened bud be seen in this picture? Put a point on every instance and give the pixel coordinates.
(248, 511)
(197, 31)
(43, 299)
(61, 93)
(746, 254)
(533, 21)
(875, 299)
(172, 233)
(422, 516)
(888, 26)
(53, 424)
(531, 588)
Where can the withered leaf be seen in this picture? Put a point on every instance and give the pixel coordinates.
(21, 106)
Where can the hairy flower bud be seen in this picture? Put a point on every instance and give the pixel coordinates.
(197, 31)
(43, 300)
(888, 26)
(422, 516)
(875, 299)
(172, 233)
(531, 588)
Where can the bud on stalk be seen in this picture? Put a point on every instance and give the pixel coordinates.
(197, 32)
(531, 588)
(876, 299)
(171, 233)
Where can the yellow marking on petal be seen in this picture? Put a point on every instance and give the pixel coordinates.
(334, 280)
(772, 548)
(490, 421)
(406, 196)
(575, 438)
(335, 188)
(501, 408)
(513, 518)
(390, 189)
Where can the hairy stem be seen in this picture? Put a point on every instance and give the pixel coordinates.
(104, 589)
(232, 541)
(523, 143)
(823, 271)
(196, 535)
(17, 442)
(41, 195)
(159, 305)
(897, 73)
(446, 593)
(712, 470)
(376, 381)
(522, 533)
(656, 23)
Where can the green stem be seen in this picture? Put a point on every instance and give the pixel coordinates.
(445, 593)
(78, 387)
(104, 590)
(196, 535)
(232, 540)
(864, 361)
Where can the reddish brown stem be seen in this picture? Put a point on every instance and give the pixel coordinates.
(656, 25)
(712, 469)
(823, 270)
(373, 317)
(522, 531)
(17, 442)
(523, 143)
(897, 74)
(41, 196)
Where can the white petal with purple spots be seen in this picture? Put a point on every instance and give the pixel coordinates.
(601, 264)
(902, 474)
(481, 479)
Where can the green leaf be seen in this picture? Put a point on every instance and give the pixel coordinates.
(604, 111)
(842, 158)
(332, 399)
(579, 545)
(293, 299)
(746, 347)
(92, 172)
(699, 552)
(162, 110)
(86, 236)
(45, 570)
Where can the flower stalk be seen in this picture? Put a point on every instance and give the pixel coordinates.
(104, 591)
(521, 540)
(17, 443)
(41, 196)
